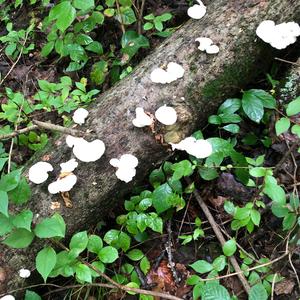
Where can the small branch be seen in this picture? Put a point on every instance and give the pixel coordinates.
(140, 17)
(221, 239)
(169, 252)
(17, 132)
(273, 286)
(287, 61)
(294, 269)
(121, 18)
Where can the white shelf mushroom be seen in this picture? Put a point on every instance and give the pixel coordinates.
(125, 167)
(278, 36)
(8, 297)
(197, 148)
(64, 184)
(197, 11)
(206, 44)
(141, 119)
(84, 150)
(24, 273)
(69, 166)
(166, 115)
(80, 115)
(38, 173)
(173, 72)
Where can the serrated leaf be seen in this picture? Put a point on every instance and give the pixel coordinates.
(45, 261)
(258, 292)
(19, 238)
(282, 125)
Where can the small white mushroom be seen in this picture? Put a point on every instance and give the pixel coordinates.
(64, 184)
(8, 297)
(141, 119)
(197, 148)
(84, 150)
(80, 115)
(166, 115)
(278, 36)
(197, 11)
(206, 44)
(69, 166)
(24, 273)
(125, 167)
(38, 173)
(173, 72)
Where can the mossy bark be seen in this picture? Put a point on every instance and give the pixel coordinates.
(207, 81)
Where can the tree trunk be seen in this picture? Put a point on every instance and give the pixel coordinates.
(207, 81)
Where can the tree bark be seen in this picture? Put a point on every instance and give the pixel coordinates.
(207, 81)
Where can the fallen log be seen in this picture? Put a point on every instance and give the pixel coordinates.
(207, 81)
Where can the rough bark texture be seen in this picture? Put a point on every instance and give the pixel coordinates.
(207, 81)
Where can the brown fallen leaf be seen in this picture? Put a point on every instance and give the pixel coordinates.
(286, 286)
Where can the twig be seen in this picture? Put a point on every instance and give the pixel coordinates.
(121, 18)
(221, 239)
(169, 252)
(273, 286)
(287, 61)
(17, 132)
(117, 285)
(285, 156)
(18, 58)
(292, 265)
(140, 20)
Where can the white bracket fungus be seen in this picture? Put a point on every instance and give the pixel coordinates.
(63, 184)
(141, 119)
(206, 44)
(278, 36)
(80, 115)
(84, 150)
(125, 167)
(24, 273)
(197, 11)
(166, 115)
(69, 166)
(38, 173)
(8, 297)
(197, 148)
(173, 72)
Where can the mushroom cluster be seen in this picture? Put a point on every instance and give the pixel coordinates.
(206, 44)
(173, 72)
(197, 11)
(278, 36)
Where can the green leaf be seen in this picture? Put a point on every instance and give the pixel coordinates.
(267, 99)
(21, 194)
(95, 243)
(233, 128)
(215, 291)
(30, 295)
(79, 241)
(132, 41)
(148, 26)
(117, 239)
(230, 106)
(242, 213)
(201, 266)
(98, 73)
(157, 177)
(255, 216)
(23, 219)
(252, 106)
(19, 238)
(47, 48)
(83, 273)
(162, 198)
(64, 14)
(108, 254)
(294, 202)
(83, 39)
(279, 210)
(296, 130)
(51, 227)
(214, 119)
(135, 254)
(282, 125)
(258, 172)
(4, 203)
(145, 265)
(126, 16)
(193, 280)
(10, 181)
(293, 107)
(5, 225)
(83, 4)
(229, 207)
(229, 247)
(289, 221)
(274, 191)
(95, 47)
(219, 263)
(99, 266)
(182, 169)
(258, 292)
(45, 262)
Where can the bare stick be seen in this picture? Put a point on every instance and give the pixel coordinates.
(121, 17)
(140, 20)
(17, 132)
(221, 239)
(287, 61)
(169, 252)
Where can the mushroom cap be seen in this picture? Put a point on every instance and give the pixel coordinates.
(126, 161)
(69, 166)
(166, 115)
(175, 70)
(125, 174)
(159, 75)
(80, 115)
(64, 184)
(141, 119)
(197, 11)
(8, 297)
(266, 30)
(213, 49)
(24, 273)
(205, 42)
(38, 173)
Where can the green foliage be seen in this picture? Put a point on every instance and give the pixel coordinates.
(229, 247)
(198, 232)
(45, 261)
(157, 23)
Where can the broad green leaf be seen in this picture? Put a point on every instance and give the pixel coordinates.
(258, 172)
(83, 4)
(23, 219)
(255, 217)
(274, 191)
(214, 119)
(294, 201)
(4, 203)
(161, 199)
(252, 106)
(83, 39)
(117, 239)
(51, 227)
(21, 194)
(229, 207)
(145, 265)
(230, 106)
(193, 280)
(215, 291)
(30, 295)
(83, 273)
(10, 181)
(108, 254)
(293, 107)
(45, 262)
(267, 99)
(99, 266)
(201, 266)
(219, 263)
(233, 128)
(135, 254)
(47, 48)
(5, 225)
(132, 41)
(95, 47)
(282, 125)
(279, 210)
(79, 241)
(95, 243)
(182, 169)
(289, 221)
(258, 292)
(99, 71)
(64, 14)
(197, 290)
(126, 16)
(241, 213)
(19, 238)
(229, 247)
(296, 130)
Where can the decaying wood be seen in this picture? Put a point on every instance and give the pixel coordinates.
(207, 81)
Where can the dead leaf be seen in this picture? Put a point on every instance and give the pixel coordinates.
(286, 286)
